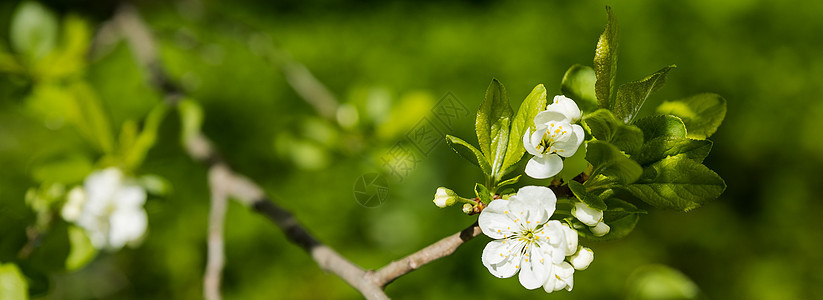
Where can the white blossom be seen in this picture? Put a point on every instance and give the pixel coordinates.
(582, 259)
(525, 240)
(109, 208)
(561, 277)
(591, 217)
(555, 136)
(444, 197)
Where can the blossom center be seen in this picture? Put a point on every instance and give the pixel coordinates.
(555, 132)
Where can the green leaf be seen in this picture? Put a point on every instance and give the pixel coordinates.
(701, 113)
(509, 181)
(12, 283)
(574, 165)
(611, 167)
(146, 139)
(664, 146)
(33, 30)
(603, 126)
(82, 251)
(657, 126)
(578, 84)
(155, 184)
(632, 96)
(677, 183)
(589, 199)
(469, 152)
(67, 169)
(492, 125)
(191, 117)
(482, 193)
(605, 61)
(621, 217)
(533, 104)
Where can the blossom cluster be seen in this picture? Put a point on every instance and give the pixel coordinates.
(544, 251)
(109, 207)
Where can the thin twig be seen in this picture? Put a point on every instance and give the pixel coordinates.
(440, 249)
(217, 216)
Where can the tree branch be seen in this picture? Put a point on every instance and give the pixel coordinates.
(440, 249)
(226, 183)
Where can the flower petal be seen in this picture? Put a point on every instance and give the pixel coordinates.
(509, 265)
(601, 229)
(571, 240)
(565, 273)
(539, 197)
(556, 245)
(494, 220)
(534, 267)
(565, 106)
(546, 116)
(126, 226)
(496, 251)
(130, 196)
(582, 259)
(569, 146)
(527, 143)
(544, 167)
(586, 214)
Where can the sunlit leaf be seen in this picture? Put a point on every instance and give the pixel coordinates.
(605, 61)
(677, 183)
(533, 104)
(12, 283)
(631, 96)
(701, 113)
(469, 152)
(605, 127)
(578, 84)
(492, 125)
(82, 251)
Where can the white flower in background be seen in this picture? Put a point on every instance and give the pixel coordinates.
(109, 208)
(525, 240)
(555, 135)
(591, 217)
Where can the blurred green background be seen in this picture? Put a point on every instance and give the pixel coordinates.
(391, 62)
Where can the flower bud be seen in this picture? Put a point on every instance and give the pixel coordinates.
(74, 204)
(600, 230)
(571, 240)
(582, 258)
(468, 208)
(444, 197)
(586, 214)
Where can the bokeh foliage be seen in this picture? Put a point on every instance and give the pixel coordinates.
(392, 62)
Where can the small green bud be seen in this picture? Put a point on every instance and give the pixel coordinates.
(445, 197)
(468, 208)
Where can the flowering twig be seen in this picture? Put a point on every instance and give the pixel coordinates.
(226, 183)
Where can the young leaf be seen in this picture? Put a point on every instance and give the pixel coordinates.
(12, 283)
(492, 125)
(33, 30)
(509, 181)
(469, 152)
(701, 113)
(605, 127)
(581, 194)
(145, 140)
(611, 167)
(578, 84)
(632, 96)
(534, 103)
(677, 183)
(482, 193)
(664, 146)
(82, 251)
(605, 61)
(657, 126)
